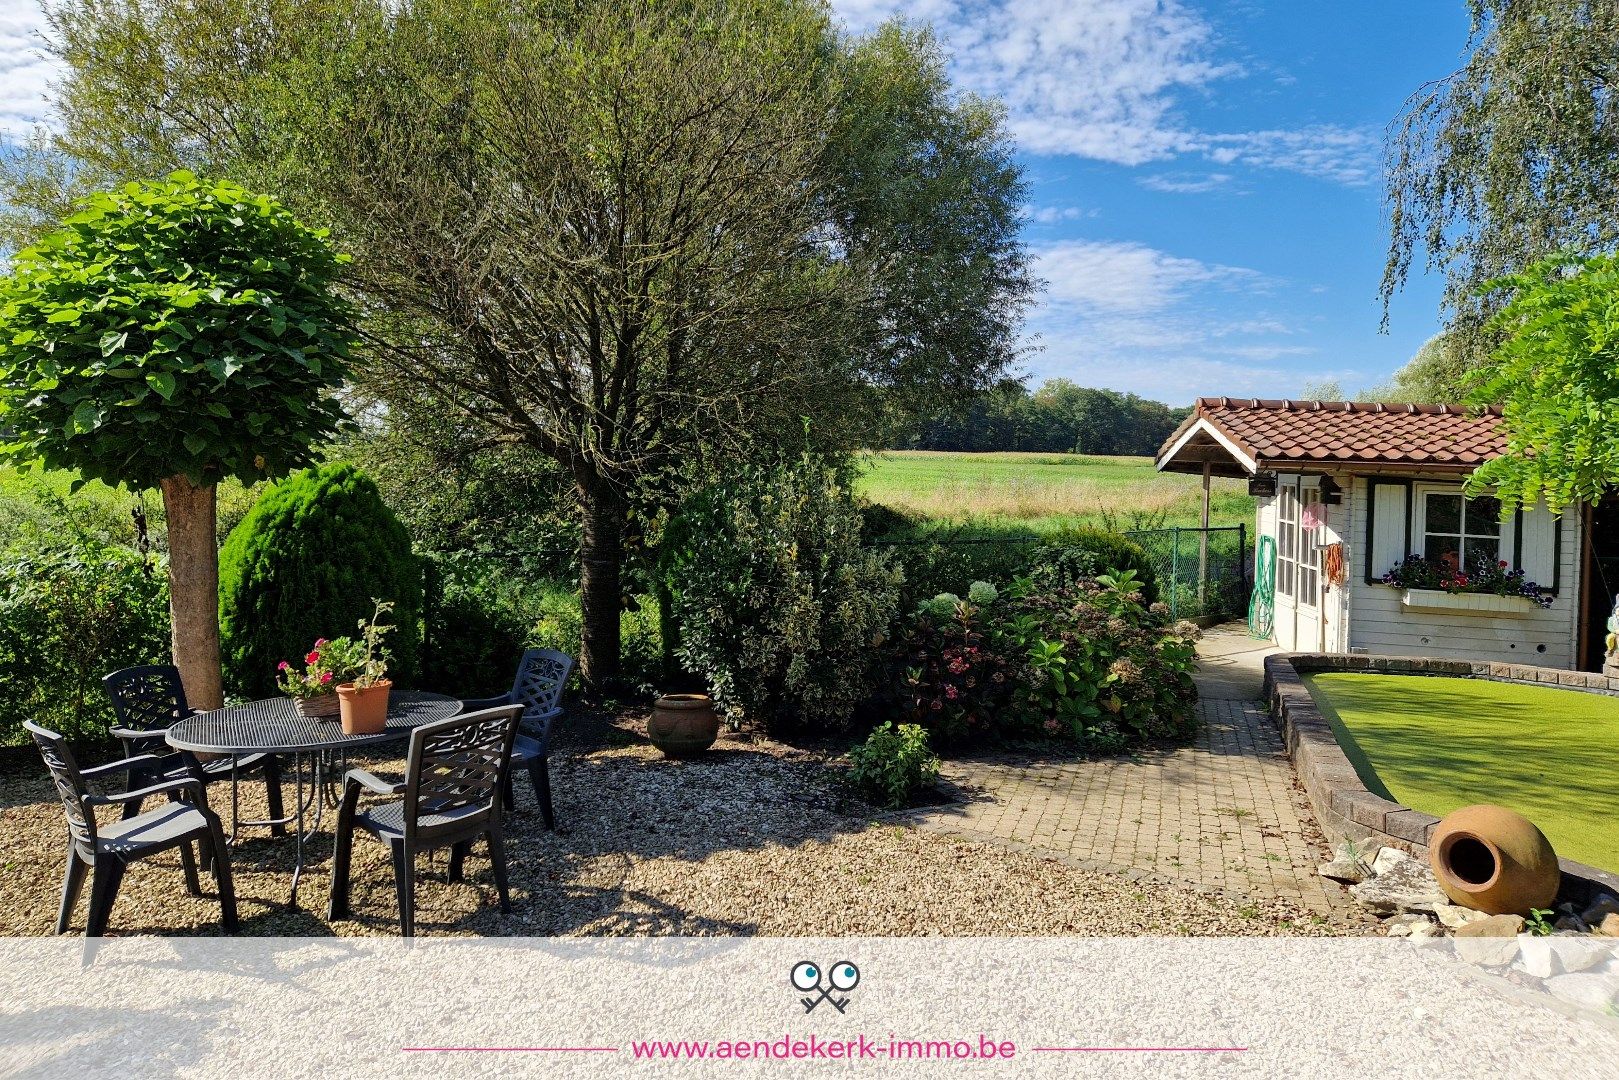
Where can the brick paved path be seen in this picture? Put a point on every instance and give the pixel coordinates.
(1224, 813)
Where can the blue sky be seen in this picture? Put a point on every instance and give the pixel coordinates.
(1205, 177)
(1206, 202)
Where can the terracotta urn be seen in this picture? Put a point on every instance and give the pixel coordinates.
(683, 725)
(1491, 859)
(364, 708)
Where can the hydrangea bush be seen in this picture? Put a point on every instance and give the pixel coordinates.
(1088, 663)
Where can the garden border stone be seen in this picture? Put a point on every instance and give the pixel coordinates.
(1343, 805)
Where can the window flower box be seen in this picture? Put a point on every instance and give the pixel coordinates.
(1469, 603)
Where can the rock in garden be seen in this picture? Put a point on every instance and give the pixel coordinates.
(1571, 924)
(1580, 953)
(1403, 886)
(1539, 958)
(1601, 909)
(1586, 989)
(1347, 870)
(1409, 925)
(1388, 858)
(1492, 926)
(1609, 926)
(1452, 916)
(1489, 942)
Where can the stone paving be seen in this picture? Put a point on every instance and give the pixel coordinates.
(1224, 813)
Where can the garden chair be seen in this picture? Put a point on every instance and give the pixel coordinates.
(109, 849)
(146, 701)
(541, 676)
(451, 797)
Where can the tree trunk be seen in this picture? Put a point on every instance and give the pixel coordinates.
(194, 589)
(601, 562)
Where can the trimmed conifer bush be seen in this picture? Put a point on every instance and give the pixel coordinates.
(304, 564)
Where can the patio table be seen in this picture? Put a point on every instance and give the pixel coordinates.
(275, 726)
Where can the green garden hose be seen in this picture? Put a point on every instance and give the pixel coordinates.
(1262, 608)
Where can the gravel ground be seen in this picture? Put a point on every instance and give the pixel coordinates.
(756, 837)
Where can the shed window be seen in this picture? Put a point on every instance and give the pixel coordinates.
(1458, 531)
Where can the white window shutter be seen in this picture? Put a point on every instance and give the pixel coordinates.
(1537, 545)
(1387, 525)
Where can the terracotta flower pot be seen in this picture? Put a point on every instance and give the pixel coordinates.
(364, 708)
(683, 725)
(321, 706)
(1494, 860)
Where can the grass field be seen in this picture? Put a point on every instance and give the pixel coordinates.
(1437, 745)
(1047, 491)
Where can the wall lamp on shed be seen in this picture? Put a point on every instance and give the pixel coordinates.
(1331, 493)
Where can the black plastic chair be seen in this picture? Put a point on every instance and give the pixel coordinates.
(451, 797)
(109, 849)
(146, 702)
(541, 677)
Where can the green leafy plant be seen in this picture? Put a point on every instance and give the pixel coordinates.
(69, 615)
(894, 763)
(1539, 922)
(369, 661)
(781, 607)
(306, 559)
(169, 335)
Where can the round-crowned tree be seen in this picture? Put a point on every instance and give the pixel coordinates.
(306, 563)
(169, 335)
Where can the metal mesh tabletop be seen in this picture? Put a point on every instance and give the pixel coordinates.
(275, 726)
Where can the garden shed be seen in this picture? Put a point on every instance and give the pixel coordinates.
(1347, 492)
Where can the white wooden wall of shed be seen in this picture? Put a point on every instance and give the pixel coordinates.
(1379, 623)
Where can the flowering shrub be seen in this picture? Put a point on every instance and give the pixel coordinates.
(1484, 575)
(952, 678)
(1088, 663)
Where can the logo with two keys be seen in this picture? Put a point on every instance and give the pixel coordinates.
(809, 978)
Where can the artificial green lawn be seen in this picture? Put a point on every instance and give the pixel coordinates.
(1436, 744)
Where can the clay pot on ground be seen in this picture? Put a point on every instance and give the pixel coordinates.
(321, 706)
(683, 725)
(1491, 859)
(364, 708)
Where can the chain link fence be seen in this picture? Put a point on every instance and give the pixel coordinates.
(1202, 573)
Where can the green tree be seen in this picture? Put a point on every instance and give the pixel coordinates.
(640, 238)
(1556, 375)
(169, 335)
(306, 563)
(1441, 371)
(1508, 160)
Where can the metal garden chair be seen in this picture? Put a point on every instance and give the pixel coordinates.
(146, 701)
(541, 677)
(450, 798)
(109, 849)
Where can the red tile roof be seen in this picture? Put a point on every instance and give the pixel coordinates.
(1282, 434)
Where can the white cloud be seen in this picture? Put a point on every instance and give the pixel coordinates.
(1133, 318)
(24, 71)
(1052, 215)
(1103, 79)
(1120, 277)
(1254, 327)
(1186, 183)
